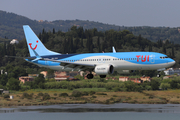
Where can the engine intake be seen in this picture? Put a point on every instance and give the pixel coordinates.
(104, 69)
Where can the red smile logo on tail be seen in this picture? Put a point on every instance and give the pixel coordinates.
(30, 44)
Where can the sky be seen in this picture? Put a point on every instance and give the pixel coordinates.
(153, 13)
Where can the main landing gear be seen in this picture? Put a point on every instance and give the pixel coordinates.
(90, 76)
(102, 76)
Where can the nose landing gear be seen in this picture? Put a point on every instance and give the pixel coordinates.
(102, 76)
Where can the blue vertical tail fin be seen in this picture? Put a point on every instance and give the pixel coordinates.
(34, 43)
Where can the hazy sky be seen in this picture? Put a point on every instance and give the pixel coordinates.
(118, 12)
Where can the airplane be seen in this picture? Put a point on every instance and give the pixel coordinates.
(101, 63)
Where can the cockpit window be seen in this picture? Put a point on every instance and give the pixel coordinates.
(164, 57)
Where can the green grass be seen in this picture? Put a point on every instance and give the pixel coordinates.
(64, 90)
(48, 90)
(92, 89)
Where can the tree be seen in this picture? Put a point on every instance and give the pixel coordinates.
(39, 81)
(173, 55)
(50, 73)
(164, 49)
(165, 86)
(98, 45)
(13, 84)
(155, 84)
(54, 31)
(3, 79)
(150, 48)
(16, 72)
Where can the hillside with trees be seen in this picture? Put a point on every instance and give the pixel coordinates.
(11, 27)
(78, 40)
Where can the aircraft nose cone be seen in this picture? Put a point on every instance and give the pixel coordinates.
(172, 62)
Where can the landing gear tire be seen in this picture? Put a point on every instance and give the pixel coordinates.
(90, 76)
(102, 76)
(158, 75)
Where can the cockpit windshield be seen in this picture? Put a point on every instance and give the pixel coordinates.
(164, 57)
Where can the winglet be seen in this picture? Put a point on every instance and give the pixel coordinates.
(114, 51)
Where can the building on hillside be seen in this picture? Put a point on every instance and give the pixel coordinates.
(172, 71)
(24, 79)
(44, 73)
(146, 78)
(33, 75)
(5, 92)
(14, 41)
(125, 78)
(111, 78)
(59, 73)
(72, 79)
(40, 21)
(167, 77)
(63, 78)
(136, 80)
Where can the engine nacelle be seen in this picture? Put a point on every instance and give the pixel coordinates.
(104, 69)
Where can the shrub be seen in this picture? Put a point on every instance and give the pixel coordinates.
(165, 86)
(24, 88)
(109, 87)
(63, 95)
(101, 80)
(70, 87)
(55, 94)
(46, 96)
(6, 96)
(85, 93)
(101, 94)
(114, 95)
(64, 86)
(116, 89)
(155, 84)
(40, 94)
(148, 87)
(92, 92)
(151, 97)
(26, 95)
(76, 93)
(94, 96)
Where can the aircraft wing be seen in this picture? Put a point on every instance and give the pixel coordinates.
(73, 65)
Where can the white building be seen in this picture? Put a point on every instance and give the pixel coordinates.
(172, 71)
(14, 41)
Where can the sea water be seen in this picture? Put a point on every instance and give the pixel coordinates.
(119, 111)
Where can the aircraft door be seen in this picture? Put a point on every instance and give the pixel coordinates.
(152, 58)
(101, 60)
(46, 62)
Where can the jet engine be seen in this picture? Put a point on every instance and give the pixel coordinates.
(104, 69)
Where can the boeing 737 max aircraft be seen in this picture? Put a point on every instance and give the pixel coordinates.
(101, 63)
